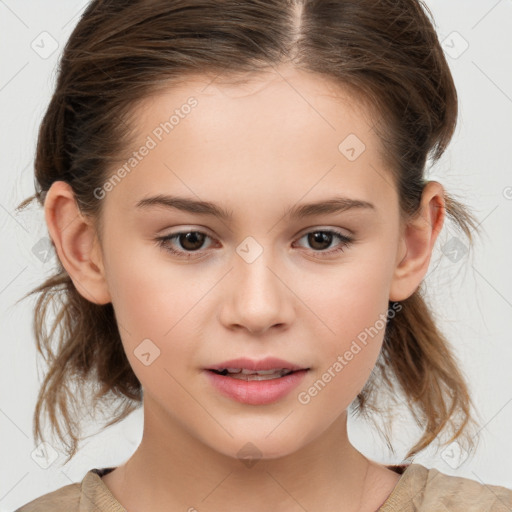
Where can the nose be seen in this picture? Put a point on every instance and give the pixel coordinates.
(258, 297)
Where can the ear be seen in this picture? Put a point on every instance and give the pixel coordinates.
(76, 243)
(418, 239)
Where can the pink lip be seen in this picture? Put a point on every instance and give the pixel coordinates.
(256, 392)
(268, 363)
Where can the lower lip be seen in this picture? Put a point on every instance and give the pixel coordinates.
(256, 392)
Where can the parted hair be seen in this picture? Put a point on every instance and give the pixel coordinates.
(385, 51)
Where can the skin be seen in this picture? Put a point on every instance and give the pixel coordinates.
(255, 150)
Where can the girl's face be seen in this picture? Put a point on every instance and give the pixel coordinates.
(270, 277)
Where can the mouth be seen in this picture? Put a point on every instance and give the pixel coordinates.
(248, 375)
(250, 369)
(254, 382)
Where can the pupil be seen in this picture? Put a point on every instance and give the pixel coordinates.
(319, 237)
(191, 239)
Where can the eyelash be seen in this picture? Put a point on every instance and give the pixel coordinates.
(162, 242)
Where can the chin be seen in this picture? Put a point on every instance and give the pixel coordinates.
(253, 447)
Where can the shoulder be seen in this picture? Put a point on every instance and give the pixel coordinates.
(66, 498)
(90, 495)
(422, 489)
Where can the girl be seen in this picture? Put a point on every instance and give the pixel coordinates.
(236, 196)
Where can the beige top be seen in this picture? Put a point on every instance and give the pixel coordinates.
(418, 490)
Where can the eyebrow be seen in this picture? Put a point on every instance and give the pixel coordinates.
(331, 205)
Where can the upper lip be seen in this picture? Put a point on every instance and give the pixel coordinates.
(269, 363)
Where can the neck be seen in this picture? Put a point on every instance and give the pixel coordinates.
(328, 473)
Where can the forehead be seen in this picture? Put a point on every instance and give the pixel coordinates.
(283, 93)
(267, 133)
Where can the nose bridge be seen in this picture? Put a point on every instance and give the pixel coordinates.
(253, 271)
(259, 299)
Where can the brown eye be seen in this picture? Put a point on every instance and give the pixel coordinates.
(191, 241)
(188, 243)
(321, 240)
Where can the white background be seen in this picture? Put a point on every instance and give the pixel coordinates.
(472, 296)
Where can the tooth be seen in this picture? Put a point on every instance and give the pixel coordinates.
(233, 370)
(255, 376)
(260, 372)
(268, 375)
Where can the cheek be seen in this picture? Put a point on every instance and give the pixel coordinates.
(350, 298)
(149, 293)
(353, 308)
(148, 298)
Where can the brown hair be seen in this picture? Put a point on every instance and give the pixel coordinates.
(387, 51)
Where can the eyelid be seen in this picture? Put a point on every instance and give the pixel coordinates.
(185, 228)
(202, 229)
(343, 231)
(345, 241)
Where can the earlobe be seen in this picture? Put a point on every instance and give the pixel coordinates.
(76, 243)
(419, 237)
